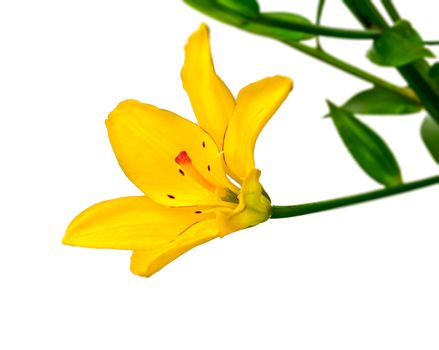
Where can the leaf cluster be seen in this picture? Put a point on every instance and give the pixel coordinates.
(397, 45)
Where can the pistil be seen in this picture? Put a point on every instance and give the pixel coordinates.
(186, 164)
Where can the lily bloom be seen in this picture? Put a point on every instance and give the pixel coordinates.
(183, 169)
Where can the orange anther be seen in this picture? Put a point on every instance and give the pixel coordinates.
(183, 158)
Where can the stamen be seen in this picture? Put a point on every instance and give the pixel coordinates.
(185, 162)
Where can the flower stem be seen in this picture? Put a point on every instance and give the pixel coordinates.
(353, 70)
(309, 208)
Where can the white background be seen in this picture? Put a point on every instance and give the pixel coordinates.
(363, 277)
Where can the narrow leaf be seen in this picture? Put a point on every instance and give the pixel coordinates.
(276, 32)
(430, 136)
(397, 46)
(248, 8)
(366, 147)
(381, 102)
(434, 72)
(244, 15)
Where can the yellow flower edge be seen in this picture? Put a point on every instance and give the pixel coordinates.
(183, 169)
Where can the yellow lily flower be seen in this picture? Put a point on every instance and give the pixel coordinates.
(182, 168)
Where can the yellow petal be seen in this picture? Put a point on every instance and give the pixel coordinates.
(255, 105)
(211, 100)
(146, 141)
(146, 263)
(254, 207)
(131, 223)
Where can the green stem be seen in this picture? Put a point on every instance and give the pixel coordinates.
(353, 70)
(309, 208)
(316, 29)
(418, 81)
(366, 13)
(391, 10)
(431, 42)
(320, 7)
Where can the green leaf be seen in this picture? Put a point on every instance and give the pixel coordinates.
(434, 72)
(368, 149)
(382, 102)
(245, 14)
(248, 8)
(279, 33)
(397, 46)
(430, 136)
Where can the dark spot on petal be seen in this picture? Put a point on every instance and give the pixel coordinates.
(204, 144)
(208, 167)
(198, 212)
(181, 172)
(171, 196)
